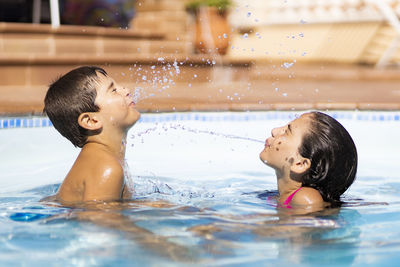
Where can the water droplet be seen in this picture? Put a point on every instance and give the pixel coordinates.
(144, 78)
(301, 34)
(248, 14)
(276, 89)
(245, 36)
(225, 35)
(287, 65)
(284, 94)
(195, 75)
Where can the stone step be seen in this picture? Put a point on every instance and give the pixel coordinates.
(159, 5)
(74, 30)
(30, 39)
(39, 70)
(172, 23)
(194, 84)
(85, 45)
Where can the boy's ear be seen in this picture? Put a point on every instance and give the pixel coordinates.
(89, 121)
(300, 165)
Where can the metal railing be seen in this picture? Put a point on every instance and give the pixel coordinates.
(54, 12)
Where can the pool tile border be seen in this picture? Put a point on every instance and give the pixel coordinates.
(37, 122)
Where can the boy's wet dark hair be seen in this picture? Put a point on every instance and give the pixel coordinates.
(333, 157)
(68, 97)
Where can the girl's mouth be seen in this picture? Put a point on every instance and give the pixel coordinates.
(266, 143)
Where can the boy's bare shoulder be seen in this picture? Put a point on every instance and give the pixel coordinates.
(104, 178)
(101, 161)
(95, 175)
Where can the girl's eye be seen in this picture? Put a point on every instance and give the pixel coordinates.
(114, 90)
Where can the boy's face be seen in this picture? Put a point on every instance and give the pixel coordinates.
(115, 103)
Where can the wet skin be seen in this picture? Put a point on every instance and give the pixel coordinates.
(281, 152)
(97, 174)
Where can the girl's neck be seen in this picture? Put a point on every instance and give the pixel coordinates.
(286, 185)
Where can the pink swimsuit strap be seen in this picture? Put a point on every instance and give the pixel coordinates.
(289, 199)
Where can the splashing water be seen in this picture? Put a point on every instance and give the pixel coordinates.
(166, 127)
(159, 77)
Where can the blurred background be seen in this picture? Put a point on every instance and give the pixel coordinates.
(180, 55)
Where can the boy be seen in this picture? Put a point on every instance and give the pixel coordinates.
(92, 111)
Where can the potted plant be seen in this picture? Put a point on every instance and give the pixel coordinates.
(212, 28)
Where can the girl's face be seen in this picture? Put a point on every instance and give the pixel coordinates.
(281, 150)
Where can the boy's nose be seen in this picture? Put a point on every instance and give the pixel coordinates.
(126, 91)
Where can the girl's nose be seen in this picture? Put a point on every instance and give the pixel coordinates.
(276, 131)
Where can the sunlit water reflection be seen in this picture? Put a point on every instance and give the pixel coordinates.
(200, 198)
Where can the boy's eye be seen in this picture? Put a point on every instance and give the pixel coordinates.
(114, 90)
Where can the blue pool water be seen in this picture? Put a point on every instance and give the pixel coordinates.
(203, 172)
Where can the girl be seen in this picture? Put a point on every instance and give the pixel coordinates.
(314, 158)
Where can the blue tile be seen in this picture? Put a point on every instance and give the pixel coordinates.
(18, 123)
(11, 123)
(5, 124)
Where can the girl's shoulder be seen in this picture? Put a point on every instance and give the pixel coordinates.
(307, 196)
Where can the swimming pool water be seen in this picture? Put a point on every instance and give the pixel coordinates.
(215, 185)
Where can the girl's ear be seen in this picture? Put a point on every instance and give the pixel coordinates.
(89, 121)
(300, 165)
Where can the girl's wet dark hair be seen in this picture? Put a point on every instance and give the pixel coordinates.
(333, 157)
(68, 97)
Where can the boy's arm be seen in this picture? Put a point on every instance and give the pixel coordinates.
(105, 183)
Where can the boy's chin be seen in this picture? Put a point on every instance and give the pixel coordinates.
(135, 118)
